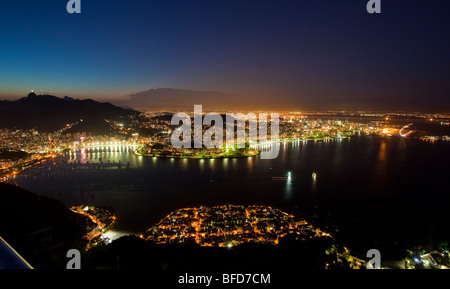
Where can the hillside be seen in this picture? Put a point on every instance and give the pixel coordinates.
(50, 113)
(39, 228)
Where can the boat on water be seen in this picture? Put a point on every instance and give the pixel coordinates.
(287, 178)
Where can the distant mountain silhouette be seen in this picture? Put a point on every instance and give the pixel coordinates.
(171, 98)
(50, 113)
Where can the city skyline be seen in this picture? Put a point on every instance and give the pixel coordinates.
(308, 56)
(217, 142)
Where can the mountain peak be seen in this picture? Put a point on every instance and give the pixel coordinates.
(39, 97)
(32, 95)
(50, 113)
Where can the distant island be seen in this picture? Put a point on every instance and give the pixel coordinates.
(161, 150)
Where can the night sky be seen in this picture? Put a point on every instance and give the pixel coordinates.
(295, 55)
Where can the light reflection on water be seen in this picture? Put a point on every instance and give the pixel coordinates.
(351, 173)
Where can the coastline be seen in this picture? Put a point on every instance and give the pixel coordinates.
(245, 154)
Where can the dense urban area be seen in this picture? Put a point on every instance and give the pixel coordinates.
(226, 225)
(150, 135)
(229, 225)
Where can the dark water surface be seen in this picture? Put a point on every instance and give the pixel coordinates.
(377, 191)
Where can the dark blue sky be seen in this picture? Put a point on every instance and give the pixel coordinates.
(302, 54)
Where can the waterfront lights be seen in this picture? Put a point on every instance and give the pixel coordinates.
(181, 137)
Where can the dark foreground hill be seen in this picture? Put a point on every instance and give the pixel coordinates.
(131, 252)
(40, 229)
(50, 113)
